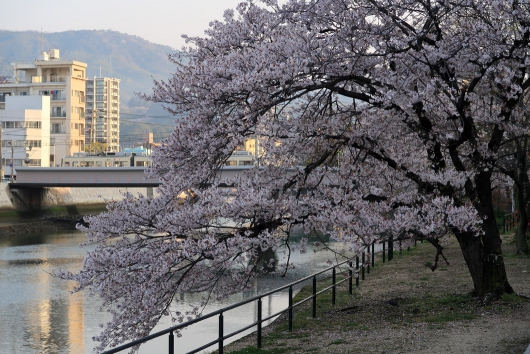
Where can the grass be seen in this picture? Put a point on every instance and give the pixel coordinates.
(394, 298)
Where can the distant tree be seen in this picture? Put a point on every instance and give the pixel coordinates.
(96, 147)
(398, 108)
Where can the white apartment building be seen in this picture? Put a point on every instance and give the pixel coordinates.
(25, 123)
(64, 82)
(103, 112)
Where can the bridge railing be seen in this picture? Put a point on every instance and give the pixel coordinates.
(356, 270)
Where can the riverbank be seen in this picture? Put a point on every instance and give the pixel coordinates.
(19, 204)
(38, 226)
(404, 307)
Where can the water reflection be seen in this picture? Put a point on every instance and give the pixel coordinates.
(39, 315)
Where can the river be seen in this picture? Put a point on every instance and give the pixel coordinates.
(39, 315)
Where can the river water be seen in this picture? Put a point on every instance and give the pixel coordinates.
(39, 315)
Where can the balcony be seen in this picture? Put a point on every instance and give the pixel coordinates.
(47, 79)
(55, 114)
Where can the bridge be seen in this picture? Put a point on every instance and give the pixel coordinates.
(46, 177)
(32, 183)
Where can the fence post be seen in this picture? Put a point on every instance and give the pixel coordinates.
(171, 343)
(314, 296)
(221, 333)
(504, 224)
(333, 280)
(368, 266)
(363, 266)
(373, 254)
(290, 309)
(357, 268)
(391, 249)
(384, 251)
(350, 281)
(259, 322)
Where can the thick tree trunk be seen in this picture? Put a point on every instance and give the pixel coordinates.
(483, 254)
(485, 264)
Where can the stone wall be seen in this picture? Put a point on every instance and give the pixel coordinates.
(65, 200)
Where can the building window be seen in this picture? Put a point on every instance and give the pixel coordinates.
(14, 143)
(33, 125)
(13, 125)
(34, 162)
(56, 128)
(33, 143)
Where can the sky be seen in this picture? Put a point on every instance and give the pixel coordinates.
(158, 21)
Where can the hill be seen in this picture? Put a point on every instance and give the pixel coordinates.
(133, 60)
(130, 58)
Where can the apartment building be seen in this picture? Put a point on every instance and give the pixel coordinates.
(64, 82)
(25, 132)
(103, 112)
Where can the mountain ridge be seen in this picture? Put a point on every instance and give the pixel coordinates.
(132, 59)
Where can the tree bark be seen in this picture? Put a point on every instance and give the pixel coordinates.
(483, 254)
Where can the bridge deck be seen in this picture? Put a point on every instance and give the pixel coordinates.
(37, 177)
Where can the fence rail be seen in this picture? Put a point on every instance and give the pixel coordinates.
(354, 272)
(509, 222)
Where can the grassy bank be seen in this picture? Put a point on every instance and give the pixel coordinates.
(404, 307)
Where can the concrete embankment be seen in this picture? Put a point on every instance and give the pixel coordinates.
(59, 202)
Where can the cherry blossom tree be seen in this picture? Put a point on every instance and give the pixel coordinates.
(376, 118)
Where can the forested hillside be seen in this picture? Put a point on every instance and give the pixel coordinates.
(132, 59)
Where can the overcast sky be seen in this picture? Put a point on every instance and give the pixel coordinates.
(158, 21)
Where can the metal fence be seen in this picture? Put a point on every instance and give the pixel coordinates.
(509, 222)
(355, 271)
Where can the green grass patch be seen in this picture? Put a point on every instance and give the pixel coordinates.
(512, 299)
(337, 341)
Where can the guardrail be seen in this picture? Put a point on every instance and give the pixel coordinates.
(353, 272)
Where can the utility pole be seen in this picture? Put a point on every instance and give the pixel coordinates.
(11, 164)
(1, 156)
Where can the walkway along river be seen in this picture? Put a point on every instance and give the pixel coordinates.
(39, 315)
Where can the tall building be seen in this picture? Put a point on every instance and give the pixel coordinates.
(25, 132)
(103, 112)
(64, 82)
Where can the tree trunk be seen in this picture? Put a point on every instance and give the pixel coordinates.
(483, 254)
(522, 221)
(485, 265)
